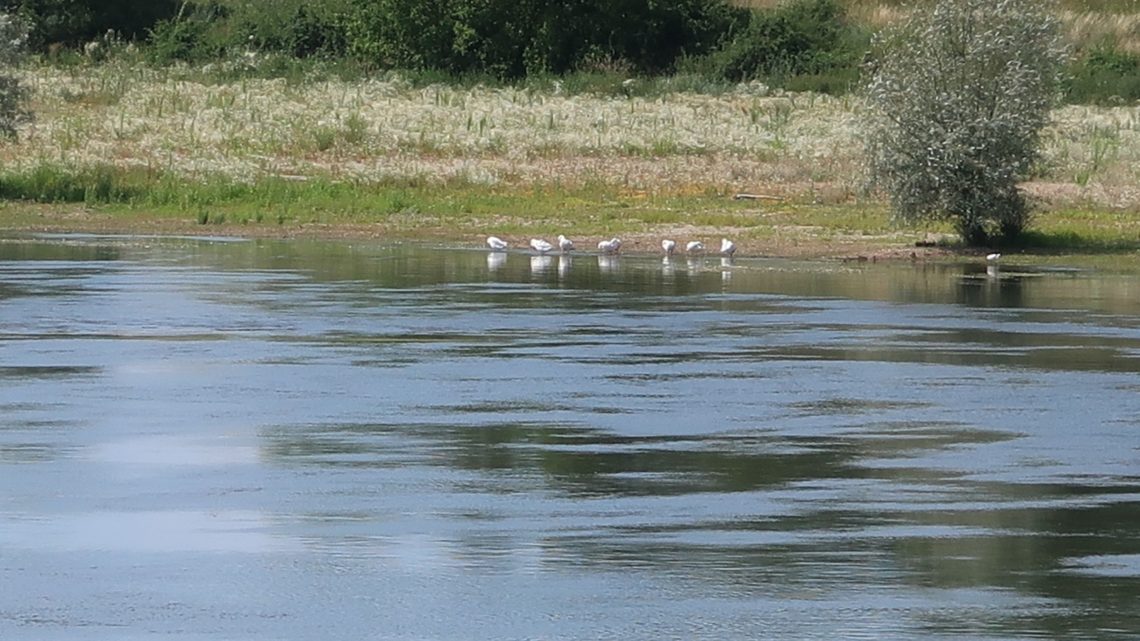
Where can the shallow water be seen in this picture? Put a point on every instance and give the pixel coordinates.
(222, 439)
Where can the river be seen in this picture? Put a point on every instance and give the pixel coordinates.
(215, 438)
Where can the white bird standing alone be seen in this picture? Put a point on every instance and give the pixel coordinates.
(541, 246)
(496, 243)
(695, 247)
(565, 244)
(727, 247)
(669, 246)
(992, 265)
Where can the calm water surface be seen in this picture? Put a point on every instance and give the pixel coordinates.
(218, 439)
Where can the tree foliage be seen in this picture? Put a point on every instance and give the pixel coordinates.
(959, 95)
(13, 35)
(211, 29)
(511, 38)
(796, 37)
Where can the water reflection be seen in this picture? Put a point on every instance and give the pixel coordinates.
(329, 441)
(496, 260)
(608, 263)
(541, 264)
(693, 265)
(143, 533)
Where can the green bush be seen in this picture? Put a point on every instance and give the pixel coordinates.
(210, 29)
(800, 37)
(311, 33)
(191, 36)
(1104, 75)
(513, 38)
(296, 28)
(400, 33)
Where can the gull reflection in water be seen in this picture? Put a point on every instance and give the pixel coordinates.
(495, 260)
(540, 263)
(564, 264)
(726, 268)
(694, 265)
(667, 267)
(607, 262)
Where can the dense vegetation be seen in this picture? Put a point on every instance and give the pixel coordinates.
(73, 23)
(799, 44)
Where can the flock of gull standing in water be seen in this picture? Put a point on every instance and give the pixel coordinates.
(608, 251)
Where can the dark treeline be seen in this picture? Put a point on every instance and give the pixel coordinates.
(802, 44)
(512, 39)
(71, 23)
(501, 39)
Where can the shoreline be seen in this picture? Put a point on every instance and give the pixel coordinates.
(899, 246)
(894, 246)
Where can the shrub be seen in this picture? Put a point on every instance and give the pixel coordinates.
(210, 29)
(959, 94)
(511, 38)
(297, 28)
(1104, 75)
(403, 33)
(311, 33)
(800, 37)
(190, 36)
(13, 34)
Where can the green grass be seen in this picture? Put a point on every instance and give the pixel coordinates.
(1084, 232)
(405, 206)
(318, 199)
(89, 184)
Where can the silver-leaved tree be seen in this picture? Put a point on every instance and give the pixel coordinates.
(959, 93)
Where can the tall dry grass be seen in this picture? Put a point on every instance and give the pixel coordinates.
(1088, 28)
(745, 140)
